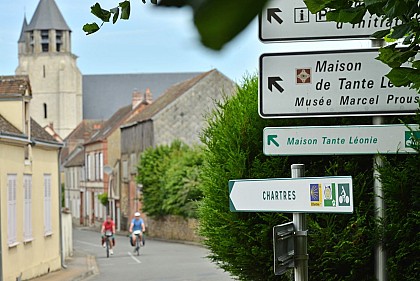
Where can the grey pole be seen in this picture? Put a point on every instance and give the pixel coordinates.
(380, 254)
(301, 230)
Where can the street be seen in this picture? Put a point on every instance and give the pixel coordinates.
(158, 260)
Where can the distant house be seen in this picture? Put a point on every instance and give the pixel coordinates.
(73, 165)
(29, 187)
(178, 114)
(102, 154)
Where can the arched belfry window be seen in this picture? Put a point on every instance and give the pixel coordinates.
(45, 111)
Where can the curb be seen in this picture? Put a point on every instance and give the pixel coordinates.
(92, 269)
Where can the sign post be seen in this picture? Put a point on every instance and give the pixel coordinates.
(301, 234)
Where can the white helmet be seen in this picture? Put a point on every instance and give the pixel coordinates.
(137, 214)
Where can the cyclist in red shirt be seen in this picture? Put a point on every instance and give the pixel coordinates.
(108, 226)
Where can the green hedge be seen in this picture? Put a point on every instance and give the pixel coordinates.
(170, 179)
(341, 247)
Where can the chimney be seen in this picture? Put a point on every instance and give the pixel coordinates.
(137, 98)
(148, 96)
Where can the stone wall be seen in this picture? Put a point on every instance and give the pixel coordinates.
(173, 228)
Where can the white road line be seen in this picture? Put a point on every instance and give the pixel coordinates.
(133, 257)
(87, 243)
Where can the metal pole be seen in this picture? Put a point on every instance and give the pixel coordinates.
(380, 254)
(301, 230)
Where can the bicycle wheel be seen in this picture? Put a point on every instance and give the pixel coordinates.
(107, 247)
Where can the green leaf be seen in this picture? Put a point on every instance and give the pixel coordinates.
(400, 31)
(399, 76)
(116, 13)
(381, 33)
(351, 15)
(125, 10)
(219, 21)
(104, 15)
(394, 57)
(315, 5)
(90, 28)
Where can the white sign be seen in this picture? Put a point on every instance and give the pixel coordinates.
(339, 140)
(330, 83)
(290, 20)
(297, 195)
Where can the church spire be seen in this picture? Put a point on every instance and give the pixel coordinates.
(22, 32)
(47, 16)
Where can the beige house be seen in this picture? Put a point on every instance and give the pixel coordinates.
(29, 187)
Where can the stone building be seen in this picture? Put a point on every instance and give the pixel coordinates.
(44, 52)
(178, 114)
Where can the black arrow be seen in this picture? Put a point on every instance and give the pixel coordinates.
(272, 13)
(272, 81)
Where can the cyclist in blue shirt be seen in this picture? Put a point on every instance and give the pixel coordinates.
(137, 227)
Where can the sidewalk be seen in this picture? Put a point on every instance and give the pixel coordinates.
(78, 267)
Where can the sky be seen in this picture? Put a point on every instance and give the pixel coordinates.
(153, 40)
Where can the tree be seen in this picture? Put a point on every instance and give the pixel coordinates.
(404, 27)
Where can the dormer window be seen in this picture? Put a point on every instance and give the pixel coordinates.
(44, 40)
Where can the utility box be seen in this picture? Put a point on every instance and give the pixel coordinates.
(283, 246)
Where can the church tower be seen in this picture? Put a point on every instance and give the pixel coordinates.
(44, 51)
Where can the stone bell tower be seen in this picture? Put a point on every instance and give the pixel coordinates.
(44, 51)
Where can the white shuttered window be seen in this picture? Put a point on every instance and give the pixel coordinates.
(27, 208)
(11, 209)
(47, 205)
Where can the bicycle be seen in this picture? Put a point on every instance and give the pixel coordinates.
(138, 245)
(108, 235)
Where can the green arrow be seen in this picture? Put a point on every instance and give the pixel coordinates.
(272, 138)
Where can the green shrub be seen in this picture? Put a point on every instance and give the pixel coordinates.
(170, 179)
(340, 247)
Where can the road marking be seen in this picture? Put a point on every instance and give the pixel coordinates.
(133, 257)
(87, 243)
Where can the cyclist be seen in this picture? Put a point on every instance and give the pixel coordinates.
(108, 226)
(137, 226)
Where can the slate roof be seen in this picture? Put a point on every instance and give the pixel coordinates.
(110, 124)
(39, 134)
(76, 160)
(14, 85)
(22, 32)
(81, 134)
(104, 94)
(166, 98)
(7, 128)
(47, 16)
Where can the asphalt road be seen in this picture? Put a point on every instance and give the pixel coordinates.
(158, 260)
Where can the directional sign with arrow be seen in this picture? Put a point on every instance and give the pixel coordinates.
(290, 20)
(271, 139)
(272, 13)
(305, 195)
(330, 83)
(272, 81)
